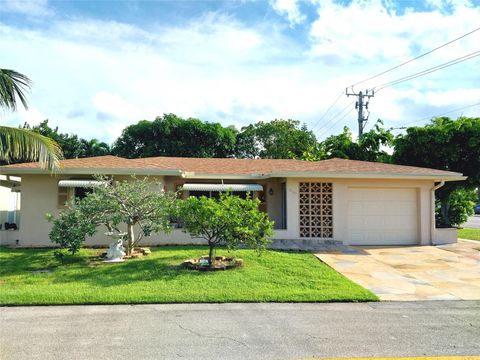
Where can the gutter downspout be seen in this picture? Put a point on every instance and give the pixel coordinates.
(432, 209)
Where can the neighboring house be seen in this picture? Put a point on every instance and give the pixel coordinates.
(9, 204)
(336, 200)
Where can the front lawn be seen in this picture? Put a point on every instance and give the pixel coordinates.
(471, 234)
(275, 276)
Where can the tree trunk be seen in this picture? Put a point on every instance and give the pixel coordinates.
(211, 255)
(130, 239)
(445, 211)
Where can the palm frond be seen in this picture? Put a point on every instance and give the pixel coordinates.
(24, 144)
(13, 85)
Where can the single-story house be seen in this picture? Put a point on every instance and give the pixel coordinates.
(311, 203)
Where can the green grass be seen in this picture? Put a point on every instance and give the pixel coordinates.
(471, 234)
(275, 276)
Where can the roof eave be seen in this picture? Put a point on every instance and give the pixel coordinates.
(93, 171)
(336, 175)
(193, 175)
(358, 175)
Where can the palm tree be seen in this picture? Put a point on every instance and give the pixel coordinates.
(94, 147)
(23, 144)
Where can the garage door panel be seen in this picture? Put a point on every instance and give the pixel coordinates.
(382, 216)
(402, 208)
(371, 236)
(399, 222)
(366, 208)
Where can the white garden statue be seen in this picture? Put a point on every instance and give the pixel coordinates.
(116, 251)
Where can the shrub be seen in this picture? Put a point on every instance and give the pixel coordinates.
(229, 220)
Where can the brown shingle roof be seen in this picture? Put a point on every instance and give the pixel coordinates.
(97, 162)
(212, 166)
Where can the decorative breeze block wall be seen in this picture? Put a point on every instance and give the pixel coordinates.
(316, 210)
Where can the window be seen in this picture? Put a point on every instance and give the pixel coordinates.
(81, 192)
(216, 194)
(200, 193)
(64, 195)
(316, 210)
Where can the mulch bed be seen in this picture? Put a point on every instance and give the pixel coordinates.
(220, 263)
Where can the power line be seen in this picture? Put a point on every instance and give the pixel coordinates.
(328, 110)
(337, 115)
(398, 81)
(428, 71)
(415, 58)
(330, 118)
(343, 117)
(434, 116)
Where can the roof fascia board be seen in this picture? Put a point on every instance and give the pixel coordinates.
(192, 175)
(95, 171)
(453, 177)
(437, 177)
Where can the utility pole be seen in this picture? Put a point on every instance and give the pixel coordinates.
(359, 105)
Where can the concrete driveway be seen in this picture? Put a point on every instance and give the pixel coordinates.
(448, 272)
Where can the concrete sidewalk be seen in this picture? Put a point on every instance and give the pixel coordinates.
(240, 331)
(448, 272)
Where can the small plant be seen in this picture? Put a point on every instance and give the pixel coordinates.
(59, 255)
(229, 220)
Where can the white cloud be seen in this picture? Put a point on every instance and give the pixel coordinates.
(94, 77)
(290, 9)
(32, 116)
(365, 31)
(37, 8)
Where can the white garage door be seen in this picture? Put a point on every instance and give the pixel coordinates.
(382, 216)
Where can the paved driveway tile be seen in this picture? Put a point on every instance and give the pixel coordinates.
(448, 272)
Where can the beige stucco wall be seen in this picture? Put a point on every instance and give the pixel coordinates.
(340, 205)
(39, 196)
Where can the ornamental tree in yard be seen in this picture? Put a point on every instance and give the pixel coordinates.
(445, 144)
(229, 220)
(140, 207)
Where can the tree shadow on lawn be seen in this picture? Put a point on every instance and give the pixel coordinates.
(21, 261)
(162, 265)
(164, 268)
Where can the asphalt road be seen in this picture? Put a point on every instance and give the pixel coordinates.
(240, 331)
(473, 222)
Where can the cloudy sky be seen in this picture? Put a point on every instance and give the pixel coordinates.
(98, 66)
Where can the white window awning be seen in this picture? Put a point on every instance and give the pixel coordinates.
(223, 187)
(80, 183)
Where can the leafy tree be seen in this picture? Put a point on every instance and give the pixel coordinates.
(461, 205)
(446, 144)
(23, 144)
(132, 205)
(278, 139)
(228, 220)
(73, 147)
(370, 147)
(70, 144)
(171, 135)
(94, 147)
